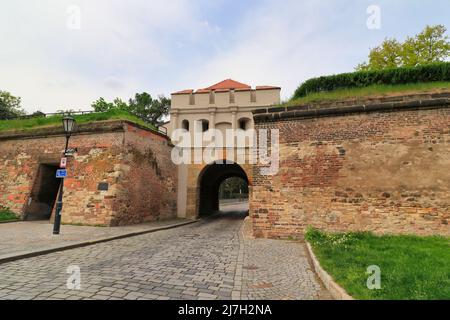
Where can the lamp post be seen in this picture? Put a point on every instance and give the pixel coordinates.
(68, 125)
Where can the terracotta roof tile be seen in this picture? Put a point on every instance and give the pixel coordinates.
(188, 91)
(228, 84)
(203, 91)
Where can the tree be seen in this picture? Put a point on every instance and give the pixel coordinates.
(232, 188)
(384, 56)
(101, 105)
(10, 106)
(148, 109)
(142, 105)
(431, 45)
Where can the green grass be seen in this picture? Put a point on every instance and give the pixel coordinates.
(6, 215)
(370, 91)
(33, 123)
(412, 267)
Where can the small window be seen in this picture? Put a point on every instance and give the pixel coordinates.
(232, 99)
(244, 124)
(205, 125)
(185, 125)
(212, 97)
(191, 99)
(253, 96)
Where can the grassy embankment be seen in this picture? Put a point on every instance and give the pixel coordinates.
(412, 267)
(42, 122)
(370, 91)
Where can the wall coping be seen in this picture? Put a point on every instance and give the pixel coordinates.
(81, 129)
(339, 108)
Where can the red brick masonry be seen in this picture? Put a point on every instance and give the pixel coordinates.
(382, 166)
(134, 161)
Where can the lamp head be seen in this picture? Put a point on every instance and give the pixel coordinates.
(68, 125)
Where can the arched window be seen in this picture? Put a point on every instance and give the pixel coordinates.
(185, 125)
(244, 123)
(205, 125)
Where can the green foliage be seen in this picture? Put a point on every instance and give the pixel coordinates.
(233, 188)
(32, 123)
(338, 240)
(430, 46)
(6, 214)
(378, 90)
(412, 267)
(360, 79)
(9, 106)
(142, 106)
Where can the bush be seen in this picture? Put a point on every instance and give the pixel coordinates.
(6, 214)
(427, 73)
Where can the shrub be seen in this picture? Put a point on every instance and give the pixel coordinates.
(6, 214)
(427, 73)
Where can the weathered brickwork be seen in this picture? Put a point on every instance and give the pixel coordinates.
(131, 160)
(386, 171)
(196, 177)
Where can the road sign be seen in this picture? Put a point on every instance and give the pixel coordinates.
(61, 173)
(63, 163)
(70, 152)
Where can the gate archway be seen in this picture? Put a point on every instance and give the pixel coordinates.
(209, 182)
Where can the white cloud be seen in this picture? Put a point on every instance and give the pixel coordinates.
(123, 47)
(282, 43)
(114, 52)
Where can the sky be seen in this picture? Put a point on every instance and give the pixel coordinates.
(61, 54)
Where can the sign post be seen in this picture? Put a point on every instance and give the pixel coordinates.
(63, 163)
(61, 173)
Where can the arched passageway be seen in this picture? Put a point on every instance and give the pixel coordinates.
(210, 181)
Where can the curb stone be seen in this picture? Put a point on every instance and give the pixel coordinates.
(336, 290)
(10, 221)
(23, 255)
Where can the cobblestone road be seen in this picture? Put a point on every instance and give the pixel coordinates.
(206, 260)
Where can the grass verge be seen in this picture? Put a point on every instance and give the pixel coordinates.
(412, 267)
(6, 215)
(40, 122)
(370, 91)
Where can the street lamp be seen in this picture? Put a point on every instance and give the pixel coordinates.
(69, 126)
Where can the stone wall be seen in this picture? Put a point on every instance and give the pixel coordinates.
(117, 153)
(383, 166)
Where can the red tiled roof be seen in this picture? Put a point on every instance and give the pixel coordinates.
(228, 84)
(189, 91)
(203, 91)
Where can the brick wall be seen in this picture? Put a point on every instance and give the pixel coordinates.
(117, 153)
(381, 167)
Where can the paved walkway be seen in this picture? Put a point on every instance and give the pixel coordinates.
(28, 236)
(206, 260)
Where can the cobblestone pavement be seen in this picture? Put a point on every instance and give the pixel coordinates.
(17, 237)
(206, 260)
